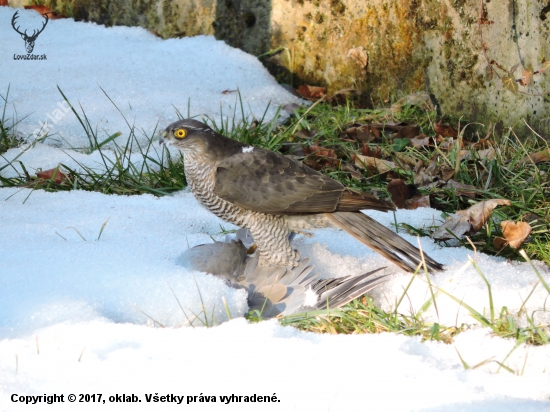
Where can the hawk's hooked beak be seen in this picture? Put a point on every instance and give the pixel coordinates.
(161, 138)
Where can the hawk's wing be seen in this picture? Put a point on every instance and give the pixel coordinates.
(269, 182)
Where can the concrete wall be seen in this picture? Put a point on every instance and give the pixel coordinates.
(386, 48)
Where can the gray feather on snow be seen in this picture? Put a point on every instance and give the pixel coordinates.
(275, 291)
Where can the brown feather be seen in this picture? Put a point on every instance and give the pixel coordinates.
(352, 201)
(381, 240)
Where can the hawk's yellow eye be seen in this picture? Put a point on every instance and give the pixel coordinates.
(180, 133)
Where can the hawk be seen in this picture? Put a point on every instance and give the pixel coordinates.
(273, 196)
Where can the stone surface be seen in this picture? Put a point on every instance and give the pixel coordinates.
(386, 48)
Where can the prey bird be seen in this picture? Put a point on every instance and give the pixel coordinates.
(272, 196)
(276, 291)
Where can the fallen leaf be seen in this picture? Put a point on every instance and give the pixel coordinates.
(342, 96)
(514, 234)
(420, 141)
(371, 151)
(417, 201)
(445, 130)
(488, 154)
(408, 132)
(378, 166)
(58, 176)
(318, 157)
(538, 157)
(479, 213)
(356, 175)
(405, 160)
(447, 144)
(45, 11)
(469, 221)
(461, 188)
(362, 133)
(426, 176)
(399, 192)
(388, 127)
(407, 196)
(311, 92)
(459, 226)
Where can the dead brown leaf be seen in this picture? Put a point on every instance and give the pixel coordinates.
(514, 234)
(377, 166)
(538, 157)
(420, 141)
(426, 176)
(469, 221)
(399, 192)
(58, 176)
(311, 92)
(356, 175)
(461, 188)
(445, 130)
(363, 133)
(408, 132)
(479, 213)
(448, 144)
(371, 151)
(405, 161)
(407, 196)
(388, 127)
(318, 157)
(417, 201)
(45, 11)
(489, 154)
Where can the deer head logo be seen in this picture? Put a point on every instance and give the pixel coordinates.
(29, 40)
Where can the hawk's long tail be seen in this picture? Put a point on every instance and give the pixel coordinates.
(382, 240)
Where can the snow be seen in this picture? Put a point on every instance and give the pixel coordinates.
(81, 314)
(147, 78)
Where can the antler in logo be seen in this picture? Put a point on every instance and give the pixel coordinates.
(29, 40)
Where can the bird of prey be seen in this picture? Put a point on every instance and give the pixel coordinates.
(272, 196)
(275, 291)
